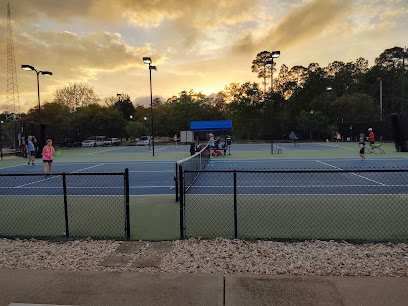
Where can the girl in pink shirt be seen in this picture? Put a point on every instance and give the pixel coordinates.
(48, 153)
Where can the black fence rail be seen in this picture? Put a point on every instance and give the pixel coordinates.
(352, 205)
(66, 205)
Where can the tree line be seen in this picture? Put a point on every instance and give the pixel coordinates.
(313, 101)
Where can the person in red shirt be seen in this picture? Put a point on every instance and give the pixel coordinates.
(371, 138)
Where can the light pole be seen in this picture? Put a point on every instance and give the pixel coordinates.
(148, 60)
(1, 140)
(329, 89)
(144, 118)
(381, 97)
(121, 116)
(397, 57)
(274, 54)
(28, 68)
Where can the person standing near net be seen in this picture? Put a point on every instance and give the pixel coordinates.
(48, 153)
(362, 148)
(30, 149)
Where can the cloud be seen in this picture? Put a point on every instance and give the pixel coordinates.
(144, 13)
(300, 24)
(72, 58)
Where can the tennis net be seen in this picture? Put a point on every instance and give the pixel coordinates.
(196, 162)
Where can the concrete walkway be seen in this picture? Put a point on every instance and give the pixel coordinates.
(113, 288)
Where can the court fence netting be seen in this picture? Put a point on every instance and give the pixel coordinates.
(65, 205)
(294, 205)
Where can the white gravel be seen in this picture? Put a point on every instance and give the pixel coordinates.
(216, 256)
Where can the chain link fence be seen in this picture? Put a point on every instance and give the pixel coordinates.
(352, 205)
(66, 205)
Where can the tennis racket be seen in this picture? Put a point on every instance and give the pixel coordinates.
(58, 152)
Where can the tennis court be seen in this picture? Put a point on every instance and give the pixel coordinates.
(282, 199)
(337, 198)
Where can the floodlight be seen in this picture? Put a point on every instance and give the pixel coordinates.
(275, 53)
(147, 60)
(153, 68)
(27, 67)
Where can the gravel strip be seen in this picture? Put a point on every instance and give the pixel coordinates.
(215, 256)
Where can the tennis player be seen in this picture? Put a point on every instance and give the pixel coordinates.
(175, 140)
(371, 137)
(30, 149)
(211, 141)
(48, 153)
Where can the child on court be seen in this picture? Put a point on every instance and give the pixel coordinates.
(48, 153)
(362, 148)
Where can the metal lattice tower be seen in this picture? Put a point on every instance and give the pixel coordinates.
(13, 100)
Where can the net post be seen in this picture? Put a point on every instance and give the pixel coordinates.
(235, 206)
(127, 208)
(64, 187)
(176, 183)
(181, 198)
(271, 145)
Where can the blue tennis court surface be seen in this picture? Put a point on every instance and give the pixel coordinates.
(264, 147)
(157, 177)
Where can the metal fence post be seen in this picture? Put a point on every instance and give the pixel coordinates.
(235, 206)
(176, 183)
(181, 197)
(127, 227)
(64, 187)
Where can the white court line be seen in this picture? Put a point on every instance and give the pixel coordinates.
(366, 178)
(52, 177)
(87, 168)
(46, 179)
(115, 149)
(147, 171)
(296, 194)
(334, 146)
(102, 187)
(295, 186)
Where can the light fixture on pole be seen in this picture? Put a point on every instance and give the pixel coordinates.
(148, 60)
(269, 63)
(328, 88)
(28, 68)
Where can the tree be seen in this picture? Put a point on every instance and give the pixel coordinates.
(313, 121)
(125, 107)
(259, 65)
(135, 129)
(76, 95)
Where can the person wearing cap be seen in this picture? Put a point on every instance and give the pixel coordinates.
(371, 138)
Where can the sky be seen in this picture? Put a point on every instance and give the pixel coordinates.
(202, 45)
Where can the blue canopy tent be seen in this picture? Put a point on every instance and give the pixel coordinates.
(211, 126)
